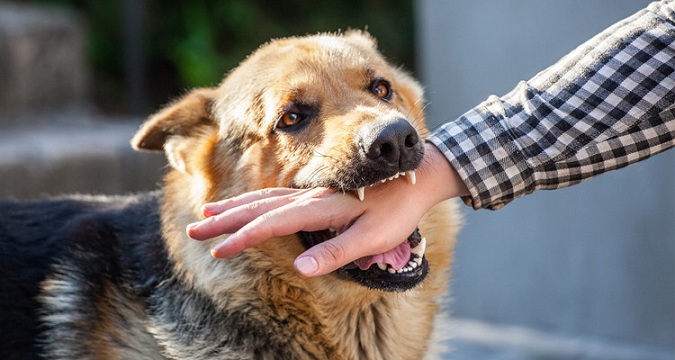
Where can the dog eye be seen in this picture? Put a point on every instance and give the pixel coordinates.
(381, 88)
(290, 119)
(296, 116)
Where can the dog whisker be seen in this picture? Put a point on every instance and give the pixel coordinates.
(315, 173)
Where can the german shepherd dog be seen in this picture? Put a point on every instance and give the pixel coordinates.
(118, 278)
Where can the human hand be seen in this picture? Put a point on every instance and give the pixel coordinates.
(382, 221)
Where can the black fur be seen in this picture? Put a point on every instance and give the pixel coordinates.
(94, 245)
(36, 237)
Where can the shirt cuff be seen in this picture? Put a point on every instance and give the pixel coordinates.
(485, 156)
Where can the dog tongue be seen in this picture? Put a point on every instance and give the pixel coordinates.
(396, 258)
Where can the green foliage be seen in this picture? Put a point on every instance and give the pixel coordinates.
(191, 43)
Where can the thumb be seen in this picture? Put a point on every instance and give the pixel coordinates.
(356, 242)
(321, 259)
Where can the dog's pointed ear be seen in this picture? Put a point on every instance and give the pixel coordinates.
(169, 128)
(179, 118)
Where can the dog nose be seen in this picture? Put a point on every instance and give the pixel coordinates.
(392, 142)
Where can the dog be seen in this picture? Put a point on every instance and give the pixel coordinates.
(87, 277)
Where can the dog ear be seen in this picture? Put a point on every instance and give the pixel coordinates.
(165, 129)
(179, 118)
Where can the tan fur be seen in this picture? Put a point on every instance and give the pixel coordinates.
(220, 144)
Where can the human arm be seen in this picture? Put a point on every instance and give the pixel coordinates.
(607, 104)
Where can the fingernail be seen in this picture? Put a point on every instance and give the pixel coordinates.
(214, 251)
(207, 209)
(189, 228)
(306, 265)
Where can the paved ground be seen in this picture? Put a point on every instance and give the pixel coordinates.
(476, 340)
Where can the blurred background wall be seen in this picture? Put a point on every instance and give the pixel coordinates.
(593, 262)
(579, 273)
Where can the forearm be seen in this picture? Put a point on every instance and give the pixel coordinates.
(604, 106)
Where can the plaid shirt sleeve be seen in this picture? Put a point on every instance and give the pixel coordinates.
(607, 104)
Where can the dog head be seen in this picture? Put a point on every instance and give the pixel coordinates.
(325, 110)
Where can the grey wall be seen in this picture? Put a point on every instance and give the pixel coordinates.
(595, 260)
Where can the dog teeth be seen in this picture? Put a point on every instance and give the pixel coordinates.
(361, 192)
(420, 248)
(333, 231)
(409, 174)
(412, 265)
(411, 177)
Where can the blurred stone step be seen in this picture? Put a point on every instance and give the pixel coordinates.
(71, 155)
(42, 58)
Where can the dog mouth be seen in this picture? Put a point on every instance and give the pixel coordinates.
(399, 269)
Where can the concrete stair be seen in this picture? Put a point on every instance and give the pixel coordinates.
(85, 153)
(51, 140)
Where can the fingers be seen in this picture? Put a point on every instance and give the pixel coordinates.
(255, 217)
(218, 207)
(303, 214)
(279, 222)
(230, 215)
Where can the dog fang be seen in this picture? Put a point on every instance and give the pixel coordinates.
(420, 248)
(361, 192)
(411, 177)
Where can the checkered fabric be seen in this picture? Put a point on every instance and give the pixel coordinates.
(607, 104)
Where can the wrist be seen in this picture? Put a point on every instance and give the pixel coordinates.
(440, 180)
